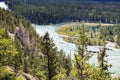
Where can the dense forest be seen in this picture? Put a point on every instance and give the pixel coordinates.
(56, 11)
(26, 56)
(23, 52)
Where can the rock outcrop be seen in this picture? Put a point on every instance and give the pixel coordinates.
(12, 36)
(23, 36)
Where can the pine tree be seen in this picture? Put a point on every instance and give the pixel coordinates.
(54, 68)
(82, 55)
(103, 65)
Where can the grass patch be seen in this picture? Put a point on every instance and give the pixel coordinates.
(74, 30)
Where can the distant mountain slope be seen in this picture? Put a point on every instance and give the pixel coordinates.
(57, 11)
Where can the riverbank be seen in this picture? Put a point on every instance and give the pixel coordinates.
(69, 48)
(96, 32)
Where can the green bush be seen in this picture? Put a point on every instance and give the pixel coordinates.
(6, 75)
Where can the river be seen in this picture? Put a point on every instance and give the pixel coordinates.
(69, 48)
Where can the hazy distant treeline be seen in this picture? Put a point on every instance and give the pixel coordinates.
(56, 11)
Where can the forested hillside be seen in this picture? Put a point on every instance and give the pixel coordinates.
(26, 56)
(23, 54)
(56, 11)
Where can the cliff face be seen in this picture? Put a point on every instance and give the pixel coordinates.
(23, 35)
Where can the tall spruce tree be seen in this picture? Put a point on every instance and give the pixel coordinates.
(54, 68)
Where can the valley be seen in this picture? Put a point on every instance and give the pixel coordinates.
(69, 48)
(59, 40)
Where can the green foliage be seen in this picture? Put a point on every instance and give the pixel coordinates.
(7, 49)
(96, 33)
(83, 70)
(82, 56)
(74, 74)
(54, 68)
(39, 71)
(47, 11)
(6, 75)
(61, 74)
(10, 23)
(18, 58)
(65, 61)
(103, 65)
(48, 62)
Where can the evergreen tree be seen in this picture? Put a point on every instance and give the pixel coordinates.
(103, 65)
(6, 75)
(54, 68)
(82, 55)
